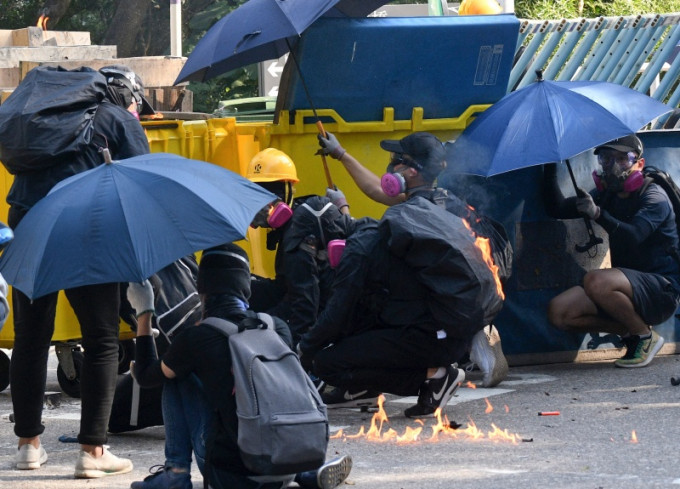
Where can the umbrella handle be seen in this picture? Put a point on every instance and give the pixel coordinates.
(593, 239)
(329, 180)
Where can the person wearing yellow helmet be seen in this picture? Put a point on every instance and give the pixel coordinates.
(300, 238)
(274, 170)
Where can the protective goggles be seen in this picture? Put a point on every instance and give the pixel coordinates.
(401, 159)
(607, 159)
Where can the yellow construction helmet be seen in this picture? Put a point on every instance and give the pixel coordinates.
(271, 165)
(479, 7)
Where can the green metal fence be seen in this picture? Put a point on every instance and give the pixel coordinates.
(640, 52)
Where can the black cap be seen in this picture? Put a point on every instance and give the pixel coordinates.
(224, 269)
(624, 144)
(122, 77)
(426, 152)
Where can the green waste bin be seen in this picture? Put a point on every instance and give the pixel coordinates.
(247, 109)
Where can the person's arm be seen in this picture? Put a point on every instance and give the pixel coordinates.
(146, 369)
(654, 210)
(556, 204)
(367, 181)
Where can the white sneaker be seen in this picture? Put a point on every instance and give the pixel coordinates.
(487, 354)
(89, 467)
(30, 458)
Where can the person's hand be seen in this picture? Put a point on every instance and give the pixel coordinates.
(330, 146)
(141, 297)
(337, 197)
(586, 205)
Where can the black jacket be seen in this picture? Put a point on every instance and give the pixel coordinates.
(301, 263)
(114, 128)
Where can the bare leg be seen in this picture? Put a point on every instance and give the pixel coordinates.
(576, 309)
(611, 290)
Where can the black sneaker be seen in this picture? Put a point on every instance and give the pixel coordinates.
(436, 393)
(342, 398)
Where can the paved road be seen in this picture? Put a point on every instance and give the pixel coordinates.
(589, 445)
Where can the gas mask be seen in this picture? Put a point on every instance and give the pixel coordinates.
(272, 216)
(393, 183)
(617, 174)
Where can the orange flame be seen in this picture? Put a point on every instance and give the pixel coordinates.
(484, 246)
(470, 385)
(42, 22)
(633, 437)
(379, 417)
(442, 427)
(502, 435)
(507, 409)
(489, 407)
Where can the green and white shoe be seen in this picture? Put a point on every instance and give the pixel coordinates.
(641, 351)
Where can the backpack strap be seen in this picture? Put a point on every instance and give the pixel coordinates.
(318, 215)
(225, 327)
(267, 320)
(228, 328)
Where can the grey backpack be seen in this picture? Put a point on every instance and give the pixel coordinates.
(282, 421)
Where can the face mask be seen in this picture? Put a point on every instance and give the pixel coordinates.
(335, 248)
(629, 181)
(279, 215)
(617, 174)
(272, 216)
(393, 184)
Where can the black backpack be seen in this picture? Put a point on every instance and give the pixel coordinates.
(483, 226)
(665, 181)
(49, 117)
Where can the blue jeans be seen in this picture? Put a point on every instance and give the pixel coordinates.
(187, 416)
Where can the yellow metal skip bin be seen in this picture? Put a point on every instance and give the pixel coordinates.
(297, 136)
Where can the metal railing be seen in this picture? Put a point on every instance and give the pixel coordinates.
(640, 52)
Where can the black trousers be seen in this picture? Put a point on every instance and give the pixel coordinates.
(393, 360)
(96, 307)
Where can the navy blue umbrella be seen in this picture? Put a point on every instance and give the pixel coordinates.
(260, 30)
(123, 221)
(549, 121)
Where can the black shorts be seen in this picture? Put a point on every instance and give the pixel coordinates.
(654, 297)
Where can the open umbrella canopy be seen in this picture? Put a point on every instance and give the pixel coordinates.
(260, 30)
(549, 121)
(124, 221)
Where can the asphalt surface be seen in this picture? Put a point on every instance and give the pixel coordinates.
(590, 444)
